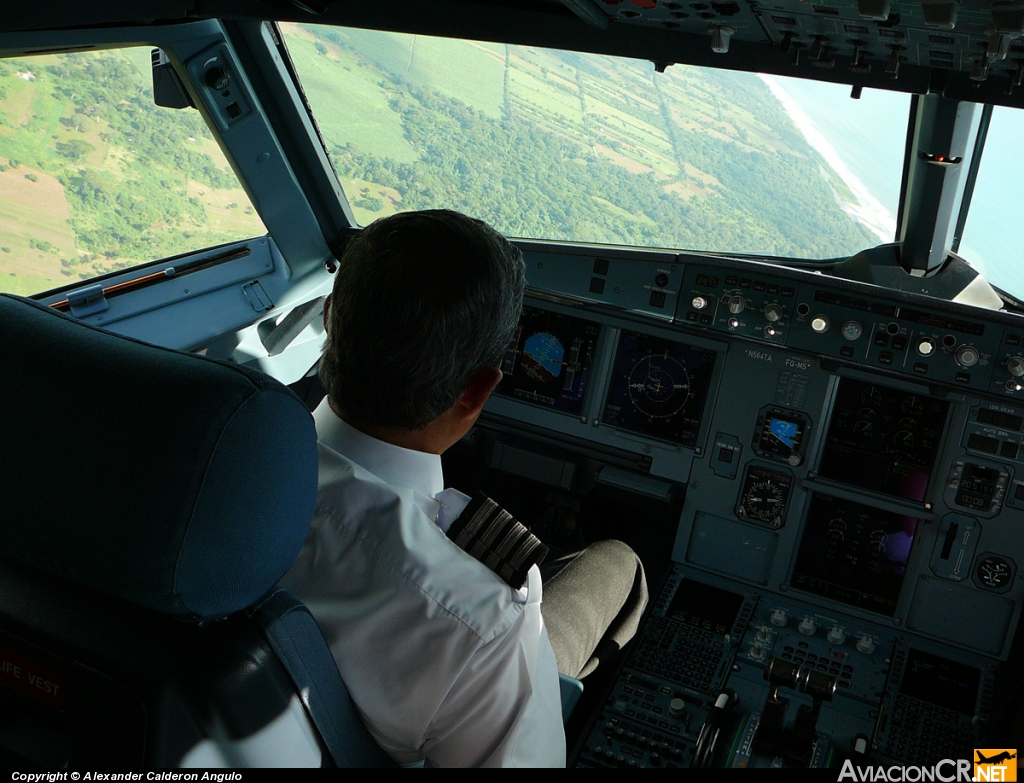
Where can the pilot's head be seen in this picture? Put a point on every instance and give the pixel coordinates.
(425, 305)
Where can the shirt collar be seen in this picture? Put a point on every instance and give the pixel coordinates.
(392, 464)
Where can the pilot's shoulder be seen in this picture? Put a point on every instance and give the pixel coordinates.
(387, 536)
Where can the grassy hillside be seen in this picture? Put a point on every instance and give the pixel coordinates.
(564, 145)
(94, 177)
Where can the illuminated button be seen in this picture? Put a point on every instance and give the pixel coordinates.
(852, 330)
(925, 346)
(967, 356)
(819, 324)
(881, 339)
(807, 626)
(699, 303)
(657, 299)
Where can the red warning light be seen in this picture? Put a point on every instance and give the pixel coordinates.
(645, 3)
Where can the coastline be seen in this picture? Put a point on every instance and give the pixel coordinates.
(868, 211)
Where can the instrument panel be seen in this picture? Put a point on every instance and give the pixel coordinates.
(851, 459)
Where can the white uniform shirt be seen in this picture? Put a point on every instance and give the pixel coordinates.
(444, 661)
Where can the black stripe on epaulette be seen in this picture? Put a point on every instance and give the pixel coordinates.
(497, 539)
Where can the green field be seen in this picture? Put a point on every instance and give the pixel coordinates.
(94, 177)
(569, 146)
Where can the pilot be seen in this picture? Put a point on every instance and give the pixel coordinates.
(429, 600)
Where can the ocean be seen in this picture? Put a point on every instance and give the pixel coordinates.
(864, 140)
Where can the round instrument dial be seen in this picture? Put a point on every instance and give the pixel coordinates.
(764, 496)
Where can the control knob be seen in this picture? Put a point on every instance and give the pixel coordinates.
(217, 78)
(779, 617)
(820, 324)
(773, 312)
(925, 346)
(699, 302)
(1015, 366)
(807, 626)
(737, 304)
(836, 635)
(677, 707)
(866, 644)
(763, 634)
(967, 356)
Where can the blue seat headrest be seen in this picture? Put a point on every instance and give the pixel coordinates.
(182, 484)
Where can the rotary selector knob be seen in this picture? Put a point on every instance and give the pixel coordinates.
(756, 652)
(925, 346)
(1015, 366)
(677, 707)
(836, 635)
(865, 644)
(737, 304)
(217, 78)
(967, 356)
(820, 324)
(807, 626)
(764, 634)
(773, 312)
(699, 303)
(779, 617)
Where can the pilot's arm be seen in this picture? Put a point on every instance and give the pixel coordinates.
(504, 709)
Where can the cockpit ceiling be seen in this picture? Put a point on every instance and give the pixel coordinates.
(968, 50)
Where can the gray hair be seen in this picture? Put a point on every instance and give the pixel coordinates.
(422, 301)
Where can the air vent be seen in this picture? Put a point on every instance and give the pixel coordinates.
(856, 29)
(942, 40)
(827, 10)
(891, 33)
(783, 20)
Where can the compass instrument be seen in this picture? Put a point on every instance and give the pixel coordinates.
(765, 495)
(659, 387)
(549, 361)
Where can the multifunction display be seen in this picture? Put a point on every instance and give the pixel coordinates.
(950, 685)
(550, 359)
(883, 439)
(659, 387)
(705, 607)
(854, 554)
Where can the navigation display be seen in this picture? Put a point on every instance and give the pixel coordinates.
(659, 387)
(854, 554)
(883, 439)
(549, 361)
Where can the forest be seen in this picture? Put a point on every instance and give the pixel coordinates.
(635, 169)
(95, 177)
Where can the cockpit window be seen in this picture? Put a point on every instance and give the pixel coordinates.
(568, 146)
(95, 178)
(994, 233)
